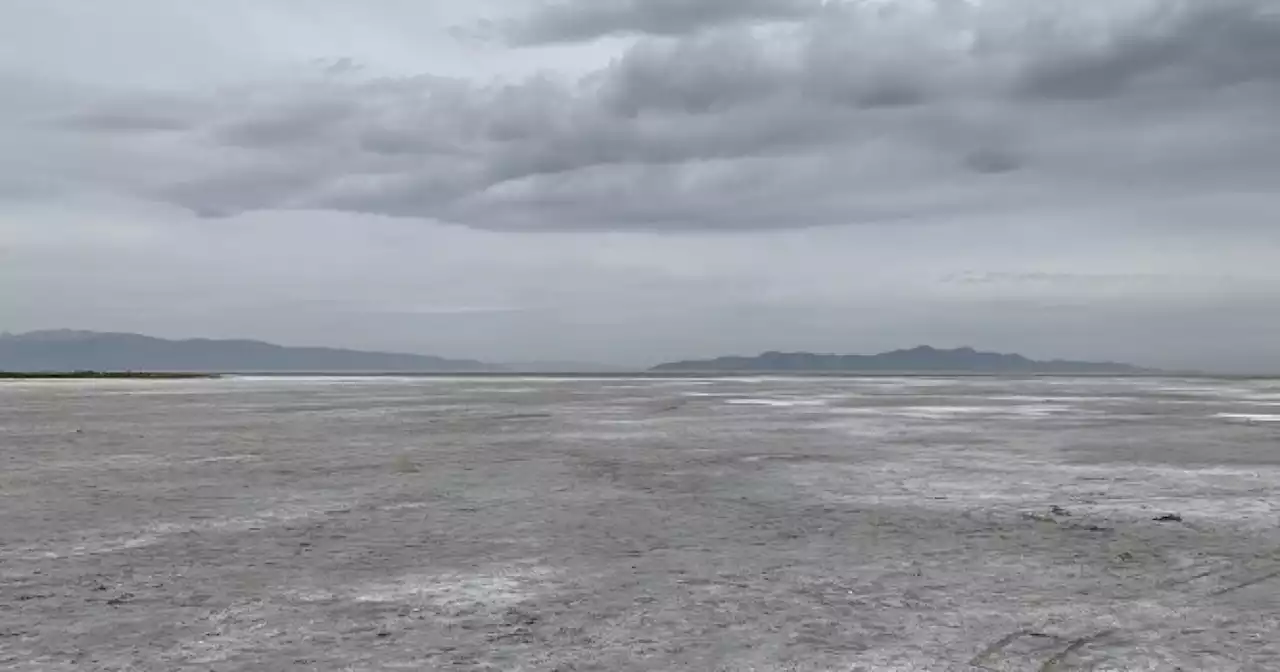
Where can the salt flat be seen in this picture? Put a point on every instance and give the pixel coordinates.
(532, 523)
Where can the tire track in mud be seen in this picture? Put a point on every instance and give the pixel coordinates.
(1037, 648)
(1087, 648)
(1223, 577)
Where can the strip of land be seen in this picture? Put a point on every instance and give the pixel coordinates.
(81, 375)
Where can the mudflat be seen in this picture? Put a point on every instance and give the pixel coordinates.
(640, 524)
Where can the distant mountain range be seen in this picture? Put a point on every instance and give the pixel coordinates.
(921, 359)
(69, 350)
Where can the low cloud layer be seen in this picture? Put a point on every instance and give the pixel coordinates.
(845, 113)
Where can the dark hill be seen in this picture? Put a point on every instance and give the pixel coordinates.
(67, 350)
(920, 359)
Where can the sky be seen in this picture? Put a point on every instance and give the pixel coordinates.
(635, 181)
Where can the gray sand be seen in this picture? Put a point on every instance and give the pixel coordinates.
(535, 524)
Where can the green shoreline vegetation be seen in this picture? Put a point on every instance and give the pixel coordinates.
(94, 375)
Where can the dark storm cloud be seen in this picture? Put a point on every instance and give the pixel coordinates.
(583, 20)
(859, 115)
(714, 74)
(1210, 45)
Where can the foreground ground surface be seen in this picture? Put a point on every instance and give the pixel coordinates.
(614, 524)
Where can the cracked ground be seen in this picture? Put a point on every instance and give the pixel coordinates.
(640, 524)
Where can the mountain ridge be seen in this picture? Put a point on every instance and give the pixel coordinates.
(78, 350)
(922, 358)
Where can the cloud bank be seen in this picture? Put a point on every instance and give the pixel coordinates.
(745, 115)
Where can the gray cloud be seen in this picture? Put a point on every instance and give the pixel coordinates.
(992, 160)
(854, 114)
(140, 114)
(124, 122)
(1208, 45)
(295, 123)
(583, 20)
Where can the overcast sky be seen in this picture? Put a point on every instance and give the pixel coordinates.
(631, 181)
